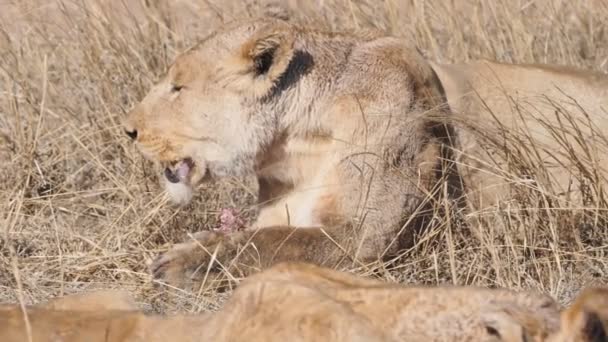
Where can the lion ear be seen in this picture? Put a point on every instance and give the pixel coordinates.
(587, 318)
(269, 53)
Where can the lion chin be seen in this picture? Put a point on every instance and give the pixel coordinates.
(181, 177)
(179, 193)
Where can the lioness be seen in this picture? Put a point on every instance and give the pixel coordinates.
(302, 302)
(351, 136)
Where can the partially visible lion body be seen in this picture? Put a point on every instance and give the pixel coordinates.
(556, 115)
(301, 302)
(351, 139)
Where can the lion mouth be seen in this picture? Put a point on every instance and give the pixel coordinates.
(179, 171)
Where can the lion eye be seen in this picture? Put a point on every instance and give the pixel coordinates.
(176, 88)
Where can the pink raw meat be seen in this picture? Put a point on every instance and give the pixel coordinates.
(230, 221)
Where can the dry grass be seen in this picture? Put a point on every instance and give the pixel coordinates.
(80, 209)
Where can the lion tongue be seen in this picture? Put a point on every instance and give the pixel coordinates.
(180, 172)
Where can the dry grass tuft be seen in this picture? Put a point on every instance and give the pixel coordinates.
(80, 209)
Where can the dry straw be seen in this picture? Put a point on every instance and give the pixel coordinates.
(80, 209)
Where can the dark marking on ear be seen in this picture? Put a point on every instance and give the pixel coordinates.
(594, 329)
(300, 65)
(268, 54)
(263, 61)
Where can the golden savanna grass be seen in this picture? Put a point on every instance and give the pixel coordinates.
(80, 209)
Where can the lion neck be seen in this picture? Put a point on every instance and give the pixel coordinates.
(300, 102)
(290, 162)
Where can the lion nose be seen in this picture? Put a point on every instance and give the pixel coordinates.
(131, 133)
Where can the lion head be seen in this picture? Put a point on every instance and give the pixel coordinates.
(214, 110)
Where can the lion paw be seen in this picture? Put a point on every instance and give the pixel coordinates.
(188, 262)
(172, 266)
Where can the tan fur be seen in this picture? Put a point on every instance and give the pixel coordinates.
(96, 301)
(303, 302)
(348, 135)
(560, 113)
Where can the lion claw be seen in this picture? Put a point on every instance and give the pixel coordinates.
(183, 261)
(159, 266)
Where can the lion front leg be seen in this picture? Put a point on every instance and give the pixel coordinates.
(242, 253)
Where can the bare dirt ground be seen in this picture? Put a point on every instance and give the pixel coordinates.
(80, 209)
